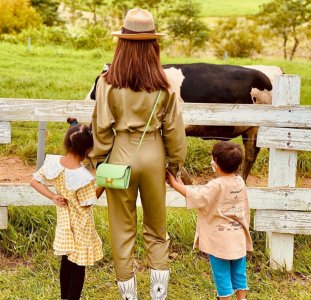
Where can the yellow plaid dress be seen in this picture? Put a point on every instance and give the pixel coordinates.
(75, 234)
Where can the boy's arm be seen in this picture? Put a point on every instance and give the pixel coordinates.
(45, 191)
(195, 197)
(171, 180)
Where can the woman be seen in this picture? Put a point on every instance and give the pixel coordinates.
(125, 96)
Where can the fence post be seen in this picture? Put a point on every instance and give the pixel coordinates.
(3, 217)
(282, 172)
(5, 132)
(41, 145)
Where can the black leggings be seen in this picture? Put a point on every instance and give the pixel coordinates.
(71, 279)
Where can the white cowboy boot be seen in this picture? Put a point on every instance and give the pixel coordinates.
(128, 289)
(158, 284)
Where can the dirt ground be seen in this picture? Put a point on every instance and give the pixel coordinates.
(13, 169)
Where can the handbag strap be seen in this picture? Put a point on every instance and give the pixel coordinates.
(149, 121)
(145, 130)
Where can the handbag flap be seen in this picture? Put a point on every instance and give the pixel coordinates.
(111, 170)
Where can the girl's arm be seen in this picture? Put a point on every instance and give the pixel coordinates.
(171, 180)
(45, 191)
(99, 191)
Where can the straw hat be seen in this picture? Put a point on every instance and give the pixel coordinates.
(138, 25)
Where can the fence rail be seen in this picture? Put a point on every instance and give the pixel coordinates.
(12, 109)
(294, 199)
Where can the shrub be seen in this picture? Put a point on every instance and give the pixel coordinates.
(16, 15)
(94, 36)
(41, 36)
(238, 37)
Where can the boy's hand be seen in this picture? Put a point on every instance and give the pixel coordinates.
(59, 200)
(170, 179)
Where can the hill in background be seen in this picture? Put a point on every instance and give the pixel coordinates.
(227, 8)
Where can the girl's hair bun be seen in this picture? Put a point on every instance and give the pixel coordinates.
(72, 121)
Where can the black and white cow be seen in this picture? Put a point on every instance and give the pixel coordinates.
(210, 83)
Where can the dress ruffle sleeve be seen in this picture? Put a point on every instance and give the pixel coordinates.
(87, 195)
(78, 178)
(50, 169)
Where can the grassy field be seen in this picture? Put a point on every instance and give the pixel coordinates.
(35, 276)
(28, 269)
(228, 8)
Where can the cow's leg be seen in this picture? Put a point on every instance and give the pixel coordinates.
(251, 150)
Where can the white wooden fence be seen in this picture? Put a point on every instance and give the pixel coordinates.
(280, 209)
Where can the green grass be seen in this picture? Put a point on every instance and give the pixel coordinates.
(36, 275)
(228, 8)
(48, 72)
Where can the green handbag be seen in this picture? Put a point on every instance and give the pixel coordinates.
(115, 176)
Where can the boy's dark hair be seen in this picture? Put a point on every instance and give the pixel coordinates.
(228, 156)
(78, 139)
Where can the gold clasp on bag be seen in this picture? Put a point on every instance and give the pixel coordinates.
(109, 180)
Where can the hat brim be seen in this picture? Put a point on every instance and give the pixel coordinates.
(138, 36)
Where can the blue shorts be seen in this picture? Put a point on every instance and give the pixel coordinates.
(229, 275)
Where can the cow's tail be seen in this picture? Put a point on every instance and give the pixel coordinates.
(262, 82)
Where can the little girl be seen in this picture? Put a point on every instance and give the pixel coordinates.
(223, 220)
(76, 239)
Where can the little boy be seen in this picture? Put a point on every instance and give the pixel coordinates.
(223, 220)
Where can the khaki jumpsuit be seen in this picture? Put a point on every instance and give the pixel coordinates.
(118, 121)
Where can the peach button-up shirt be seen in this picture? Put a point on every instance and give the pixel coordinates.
(223, 217)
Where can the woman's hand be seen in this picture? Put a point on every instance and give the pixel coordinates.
(59, 200)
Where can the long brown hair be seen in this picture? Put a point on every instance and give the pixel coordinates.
(136, 65)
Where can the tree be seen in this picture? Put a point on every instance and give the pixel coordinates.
(155, 6)
(186, 27)
(47, 10)
(93, 5)
(229, 36)
(16, 15)
(285, 18)
(121, 7)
